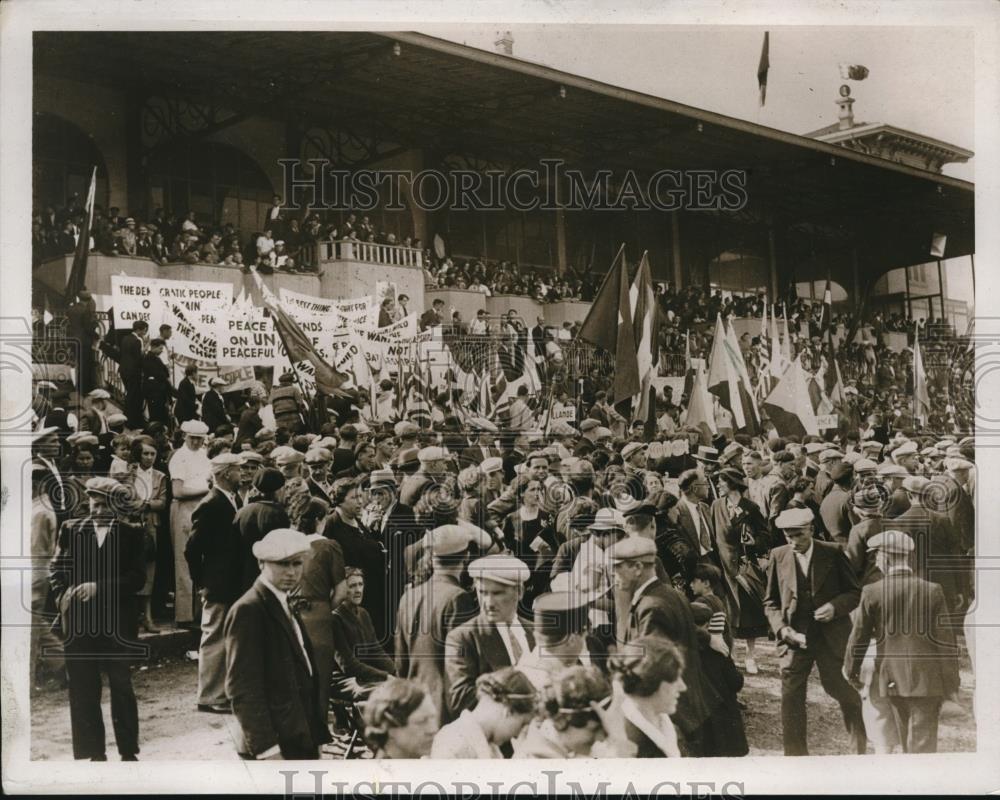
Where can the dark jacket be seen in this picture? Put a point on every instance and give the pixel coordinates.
(252, 523)
(663, 611)
(916, 654)
(473, 649)
(358, 653)
(130, 356)
(268, 678)
(214, 550)
(186, 406)
(108, 622)
(213, 410)
(156, 378)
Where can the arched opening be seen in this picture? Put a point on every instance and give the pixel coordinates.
(62, 161)
(218, 182)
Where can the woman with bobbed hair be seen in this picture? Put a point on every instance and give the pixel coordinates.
(400, 720)
(505, 704)
(650, 672)
(580, 716)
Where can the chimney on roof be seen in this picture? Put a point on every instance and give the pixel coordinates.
(504, 44)
(846, 114)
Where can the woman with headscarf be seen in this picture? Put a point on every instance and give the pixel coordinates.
(505, 704)
(741, 539)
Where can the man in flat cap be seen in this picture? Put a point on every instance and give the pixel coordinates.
(98, 568)
(827, 458)
(430, 610)
(867, 503)
(648, 606)
(811, 591)
(270, 672)
(951, 497)
(560, 628)
(916, 657)
(495, 638)
(938, 555)
(258, 518)
(94, 416)
(215, 559)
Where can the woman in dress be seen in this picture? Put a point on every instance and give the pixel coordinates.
(360, 658)
(360, 549)
(529, 533)
(741, 538)
(505, 704)
(400, 720)
(650, 671)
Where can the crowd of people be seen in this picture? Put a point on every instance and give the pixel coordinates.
(583, 590)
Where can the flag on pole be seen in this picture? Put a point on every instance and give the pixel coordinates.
(827, 310)
(921, 397)
(688, 367)
(646, 330)
(609, 324)
(763, 66)
(700, 413)
(78, 272)
(299, 347)
(736, 355)
(788, 406)
(786, 342)
(779, 363)
(728, 380)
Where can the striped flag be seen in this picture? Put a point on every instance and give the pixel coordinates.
(789, 407)
(921, 397)
(609, 324)
(78, 272)
(646, 332)
(700, 413)
(728, 380)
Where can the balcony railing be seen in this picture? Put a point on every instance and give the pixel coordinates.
(393, 255)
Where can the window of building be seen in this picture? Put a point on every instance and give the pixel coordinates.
(218, 182)
(63, 159)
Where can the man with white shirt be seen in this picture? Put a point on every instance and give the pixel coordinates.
(270, 673)
(811, 591)
(98, 568)
(693, 512)
(495, 638)
(214, 557)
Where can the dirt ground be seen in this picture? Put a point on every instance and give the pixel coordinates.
(170, 728)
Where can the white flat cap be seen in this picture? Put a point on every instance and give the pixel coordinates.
(281, 544)
(194, 427)
(503, 569)
(99, 394)
(794, 518)
(225, 460)
(432, 454)
(491, 465)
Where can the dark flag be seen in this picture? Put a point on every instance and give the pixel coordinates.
(763, 67)
(78, 273)
(609, 324)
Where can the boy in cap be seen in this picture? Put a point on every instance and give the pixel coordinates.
(270, 674)
(811, 591)
(916, 658)
(98, 568)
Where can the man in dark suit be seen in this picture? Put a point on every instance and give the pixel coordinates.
(257, 519)
(484, 448)
(130, 370)
(59, 495)
(98, 568)
(343, 454)
(156, 385)
(693, 515)
(214, 557)
(213, 407)
(916, 658)
(811, 590)
(429, 611)
(270, 670)
(186, 406)
(495, 638)
(646, 606)
(433, 316)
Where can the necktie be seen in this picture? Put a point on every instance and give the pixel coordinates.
(515, 647)
(237, 500)
(706, 540)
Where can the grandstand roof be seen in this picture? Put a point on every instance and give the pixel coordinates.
(448, 97)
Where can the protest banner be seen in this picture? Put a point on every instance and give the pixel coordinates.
(360, 313)
(827, 421)
(565, 413)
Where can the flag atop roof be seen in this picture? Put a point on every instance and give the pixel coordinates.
(763, 66)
